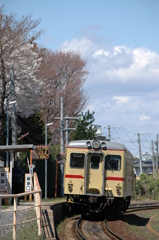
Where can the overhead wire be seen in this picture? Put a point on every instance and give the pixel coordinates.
(129, 142)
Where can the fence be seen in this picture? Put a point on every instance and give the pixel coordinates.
(37, 206)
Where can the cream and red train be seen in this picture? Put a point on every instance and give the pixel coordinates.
(98, 175)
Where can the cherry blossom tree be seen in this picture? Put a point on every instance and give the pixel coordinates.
(41, 77)
(63, 75)
(17, 52)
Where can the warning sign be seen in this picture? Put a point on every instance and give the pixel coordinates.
(41, 152)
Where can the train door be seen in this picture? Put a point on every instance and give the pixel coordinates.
(94, 173)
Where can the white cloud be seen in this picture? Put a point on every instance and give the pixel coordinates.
(121, 63)
(144, 118)
(123, 84)
(118, 69)
(120, 100)
(100, 52)
(84, 46)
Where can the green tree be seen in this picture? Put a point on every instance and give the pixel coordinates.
(84, 127)
(34, 126)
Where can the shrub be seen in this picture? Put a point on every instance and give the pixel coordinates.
(146, 187)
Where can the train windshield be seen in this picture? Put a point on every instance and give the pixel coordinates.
(77, 160)
(95, 162)
(113, 162)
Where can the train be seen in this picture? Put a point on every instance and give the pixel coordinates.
(98, 176)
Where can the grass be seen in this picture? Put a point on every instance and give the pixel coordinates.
(28, 231)
(139, 221)
(154, 223)
(53, 200)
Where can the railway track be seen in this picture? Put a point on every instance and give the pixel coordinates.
(86, 230)
(92, 228)
(143, 206)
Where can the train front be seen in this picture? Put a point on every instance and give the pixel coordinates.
(84, 181)
(98, 176)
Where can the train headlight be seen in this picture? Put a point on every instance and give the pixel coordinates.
(96, 144)
(88, 144)
(103, 145)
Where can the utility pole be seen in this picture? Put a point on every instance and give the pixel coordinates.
(109, 132)
(62, 146)
(157, 158)
(67, 129)
(62, 127)
(7, 127)
(153, 161)
(14, 127)
(109, 135)
(45, 163)
(62, 140)
(46, 124)
(140, 153)
(7, 138)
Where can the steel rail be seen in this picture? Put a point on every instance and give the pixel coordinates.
(112, 233)
(138, 205)
(132, 207)
(142, 206)
(77, 230)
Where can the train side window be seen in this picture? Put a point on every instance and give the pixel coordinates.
(113, 162)
(94, 163)
(77, 160)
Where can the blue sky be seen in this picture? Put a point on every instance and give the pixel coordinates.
(120, 42)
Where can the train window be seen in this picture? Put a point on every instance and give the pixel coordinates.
(113, 162)
(95, 162)
(77, 160)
